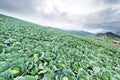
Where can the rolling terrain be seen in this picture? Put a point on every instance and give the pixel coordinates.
(32, 52)
(81, 33)
(109, 35)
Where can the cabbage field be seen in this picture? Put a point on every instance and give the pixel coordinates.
(32, 52)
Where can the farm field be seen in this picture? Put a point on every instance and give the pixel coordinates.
(32, 52)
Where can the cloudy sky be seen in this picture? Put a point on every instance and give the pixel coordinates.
(89, 15)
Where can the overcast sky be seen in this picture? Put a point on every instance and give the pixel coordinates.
(89, 15)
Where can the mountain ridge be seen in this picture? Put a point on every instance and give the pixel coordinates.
(110, 35)
(81, 33)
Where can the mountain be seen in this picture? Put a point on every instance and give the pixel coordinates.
(113, 26)
(33, 52)
(81, 33)
(109, 35)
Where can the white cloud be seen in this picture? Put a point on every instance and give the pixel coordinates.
(73, 7)
(99, 30)
(64, 14)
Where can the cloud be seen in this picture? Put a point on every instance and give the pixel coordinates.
(106, 20)
(112, 1)
(90, 15)
(104, 16)
(17, 5)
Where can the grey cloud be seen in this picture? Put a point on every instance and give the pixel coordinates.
(20, 6)
(107, 2)
(28, 7)
(104, 16)
(108, 19)
(112, 1)
(56, 15)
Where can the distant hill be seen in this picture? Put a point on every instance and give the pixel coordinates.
(109, 35)
(81, 33)
(113, 25)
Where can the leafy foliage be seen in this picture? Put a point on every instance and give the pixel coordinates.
(32, 52)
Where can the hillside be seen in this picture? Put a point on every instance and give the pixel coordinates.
(81, 33)
(33, 52)
(110, 35)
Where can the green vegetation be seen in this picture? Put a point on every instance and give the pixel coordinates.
(81, 33)
(32, 52)
(109, 36)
